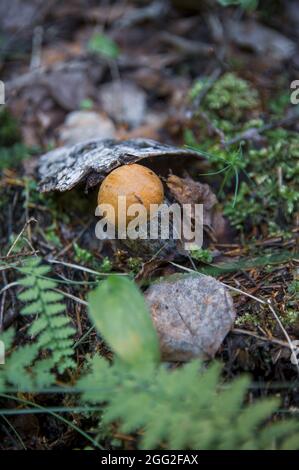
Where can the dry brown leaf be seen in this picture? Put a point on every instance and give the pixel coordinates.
(188, 191)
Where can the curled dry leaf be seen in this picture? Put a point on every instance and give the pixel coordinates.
(192, 316)
(188, 191)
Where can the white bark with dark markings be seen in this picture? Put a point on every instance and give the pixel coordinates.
(89, 162)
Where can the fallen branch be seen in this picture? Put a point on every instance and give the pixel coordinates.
(254, 132)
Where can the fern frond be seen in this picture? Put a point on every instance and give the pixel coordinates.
(42, 374)
(22, 368)
(33, 308)
(52, 327)
(185, 408)
(29, 294)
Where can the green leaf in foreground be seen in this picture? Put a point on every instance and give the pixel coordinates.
(119, 312)
(103, 45)
(245, 4)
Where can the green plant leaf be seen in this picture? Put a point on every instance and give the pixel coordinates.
(245, 4)
(103, 45)
(119, 312)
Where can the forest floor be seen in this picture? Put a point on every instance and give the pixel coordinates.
(213, 78)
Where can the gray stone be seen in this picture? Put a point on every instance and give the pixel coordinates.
(124, 102)
(85, 125)
(192, 315)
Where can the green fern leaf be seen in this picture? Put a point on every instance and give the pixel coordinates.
(15, 367)
(28, 281)
(33, 308)
(277, 432)
(54, 309)
(29, 294)
(59, 322)
(42, 373)
(38, 325)
(254, 415)
(45, 284)
(52, 327)
(50, 296)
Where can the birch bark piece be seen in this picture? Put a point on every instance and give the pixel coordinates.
(62, 169)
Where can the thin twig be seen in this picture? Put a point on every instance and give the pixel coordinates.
(36, 47)
(292, 347)
(211, 126)
(210, 82)
(32, 219)
(254, 132)
(187, 46)
(2, 308)
(262, 338)
(83, 268)
(73, 297)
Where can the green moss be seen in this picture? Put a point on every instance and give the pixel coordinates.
(12, 150)
(134, 264)
(229, 99)
(106, 265)
(52, 237)
(11, 157)
(258, 186)
(9, 129)
(293, 289)
(269, 193)
(290, 317)
(249, 319)
(82, 255)
(205, 256)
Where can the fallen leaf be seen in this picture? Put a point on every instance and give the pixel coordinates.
(188, 191)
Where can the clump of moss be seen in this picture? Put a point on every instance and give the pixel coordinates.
(248, 319)
(12, 151)
(230, 98)
(258, 186)
(134, 264)
(269, 192)
(11, 157)
(202, 255)
(9, 129)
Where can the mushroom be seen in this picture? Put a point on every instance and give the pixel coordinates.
(137, 183)
(115, 164)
